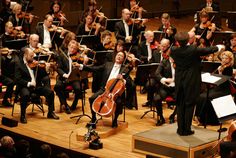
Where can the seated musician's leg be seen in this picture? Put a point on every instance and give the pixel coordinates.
(60, 91)
(118, 111)
(150, 87)
(25, 95)
(77, 91)
(49, 95)
(130, 94)
(8, 94)
(91, 100)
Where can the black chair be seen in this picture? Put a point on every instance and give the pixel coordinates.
(35, 100)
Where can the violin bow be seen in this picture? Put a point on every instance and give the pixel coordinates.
(94, 21)
(27, 4)
(134, 13)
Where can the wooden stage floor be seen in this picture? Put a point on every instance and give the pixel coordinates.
(58, 131)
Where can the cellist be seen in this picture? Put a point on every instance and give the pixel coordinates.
(109, 71)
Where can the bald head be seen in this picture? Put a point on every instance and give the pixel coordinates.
(165, 44)
(34, 40)
(125, 14)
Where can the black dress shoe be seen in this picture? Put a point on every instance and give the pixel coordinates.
(6, 103)
(72, 108)
(160, 122)
(52, 115)
(23, 119)
(187, 133)
(67, 110)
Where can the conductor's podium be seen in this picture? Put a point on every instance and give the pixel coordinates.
(165, 142)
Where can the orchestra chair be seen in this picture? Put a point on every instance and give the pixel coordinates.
(35, 100)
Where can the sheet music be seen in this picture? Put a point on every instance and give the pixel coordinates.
(224, 106)
(208, 78)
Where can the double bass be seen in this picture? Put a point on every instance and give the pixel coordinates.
(105, 104)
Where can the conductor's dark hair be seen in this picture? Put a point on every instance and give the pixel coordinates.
(182, 38)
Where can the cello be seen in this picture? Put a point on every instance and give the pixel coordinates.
(105, 104)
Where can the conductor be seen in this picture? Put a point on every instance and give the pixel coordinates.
(187, 79)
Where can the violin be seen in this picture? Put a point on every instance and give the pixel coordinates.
(57, 29)
(59, 15)
(40, 64)
(135, 21)
(26, 15)
(17, 34)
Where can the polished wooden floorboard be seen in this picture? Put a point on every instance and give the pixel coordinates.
(63, 131)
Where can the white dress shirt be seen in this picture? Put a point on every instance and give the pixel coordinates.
(115, 71)
(31, 72)
(149, 51)
(126, 29)
(47, 38)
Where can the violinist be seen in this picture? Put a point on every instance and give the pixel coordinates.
(109, 71)
(168, 29)
(8, 35)
(29, 81)
(128, 31)
(68, 37)
(93, 11)
(56, 12)
(204, 30)
(204, 105)
(88, 27)
(47, 36)
(106, 41)
(65, 69)
(136, 10)
(147, 53)
(20, 20)
(232, 46)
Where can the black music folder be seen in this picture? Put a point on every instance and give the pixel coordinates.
(110, 24)
(145, 72)
(15, 44)
(231, 15)
(91, 41)
(221, 37)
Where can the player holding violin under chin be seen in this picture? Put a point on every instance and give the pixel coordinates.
(21, 20)
(203, 31)
(128, 30)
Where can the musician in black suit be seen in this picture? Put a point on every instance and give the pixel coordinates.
(164, 76)
(128, 31)
(187, 79)
(211, 6)
(204, 104)
(65, 71)
(168, 29)
(28, 81)
(155, 56)
(109, 70)
(47, 35)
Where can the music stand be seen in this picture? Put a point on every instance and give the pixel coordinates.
(158, 35)
(222, 37)
(91, 41)
(143, 74)
(101, 56)
(215, 80)
(41, 57)
(224, 114)
(110, 24)
(54, 23)
(15, 44)
(208, 66)
(231, 15)
(216, 20)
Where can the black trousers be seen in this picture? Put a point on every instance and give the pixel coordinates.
(119, 104)
(25, 94)
(163, 92)
(60, 88)
(131, 95)
(10, 85)
(151, 87)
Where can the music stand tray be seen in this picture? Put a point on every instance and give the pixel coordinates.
(222, 37)
(91, 41)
